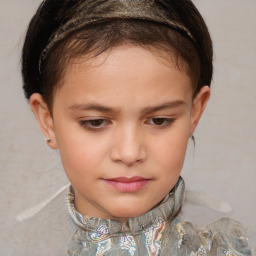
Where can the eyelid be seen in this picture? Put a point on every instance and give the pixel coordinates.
(85, 123)
(167, 121)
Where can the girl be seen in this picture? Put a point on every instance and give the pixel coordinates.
(119, 86)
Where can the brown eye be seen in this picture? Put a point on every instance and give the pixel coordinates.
(97, 122)
(160, 121)
(94, 123)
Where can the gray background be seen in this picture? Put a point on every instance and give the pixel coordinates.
(224, 160)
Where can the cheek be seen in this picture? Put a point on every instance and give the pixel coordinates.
(81, 155)
(170, 151)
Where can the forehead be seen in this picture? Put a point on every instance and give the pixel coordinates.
(127, 71)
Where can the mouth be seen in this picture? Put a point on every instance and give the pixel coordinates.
(126, 184)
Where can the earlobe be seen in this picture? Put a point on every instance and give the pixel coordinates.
(44, 118)
(198, 106)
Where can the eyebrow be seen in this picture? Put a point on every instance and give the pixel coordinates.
(167, 105)
(97, 107)
(147, 110)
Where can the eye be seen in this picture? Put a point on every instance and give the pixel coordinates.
(160, 121)
(94, 124)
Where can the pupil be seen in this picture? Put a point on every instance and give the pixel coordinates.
(96, 122)
(158, 121)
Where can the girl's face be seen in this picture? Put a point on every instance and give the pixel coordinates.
(122, 122)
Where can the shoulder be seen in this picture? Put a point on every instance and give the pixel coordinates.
(226, 237)
(223, 237)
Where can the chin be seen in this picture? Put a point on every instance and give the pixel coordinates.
(125, 212)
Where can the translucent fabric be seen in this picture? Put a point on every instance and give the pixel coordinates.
(58, 230)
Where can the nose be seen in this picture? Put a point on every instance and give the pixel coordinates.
(128, 146)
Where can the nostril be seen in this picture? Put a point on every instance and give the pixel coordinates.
(128, 156)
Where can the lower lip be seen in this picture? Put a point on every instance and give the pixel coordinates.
(127, 187)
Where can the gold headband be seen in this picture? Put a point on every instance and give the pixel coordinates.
(97, 11)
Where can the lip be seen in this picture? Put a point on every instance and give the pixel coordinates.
(127, 184)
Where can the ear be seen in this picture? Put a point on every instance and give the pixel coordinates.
(44, 118)
(198, 106)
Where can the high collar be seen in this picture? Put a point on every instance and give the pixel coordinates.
(166, 210)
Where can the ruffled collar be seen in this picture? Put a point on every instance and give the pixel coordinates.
(166, 210)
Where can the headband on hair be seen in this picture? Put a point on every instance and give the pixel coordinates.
(99, 11)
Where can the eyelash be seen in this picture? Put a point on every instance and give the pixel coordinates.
(166, 122)
(89, 123)
(103, 123)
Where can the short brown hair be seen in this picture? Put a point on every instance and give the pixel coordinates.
(192, 54)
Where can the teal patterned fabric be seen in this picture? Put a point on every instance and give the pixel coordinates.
(161, 231)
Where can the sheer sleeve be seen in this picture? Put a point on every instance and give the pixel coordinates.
(226, 237)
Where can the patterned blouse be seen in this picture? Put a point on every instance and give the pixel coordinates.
(161, 231)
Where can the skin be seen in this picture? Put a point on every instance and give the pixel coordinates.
(128, 113)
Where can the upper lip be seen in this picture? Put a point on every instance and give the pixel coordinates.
(127, 179)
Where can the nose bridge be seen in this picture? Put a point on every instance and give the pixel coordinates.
(129, 146)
